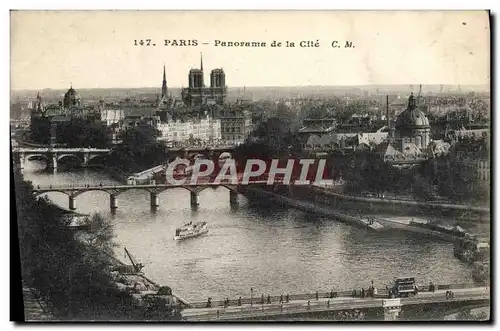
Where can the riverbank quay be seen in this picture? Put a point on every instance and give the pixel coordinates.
(393, 205)
(303, 205)
(323, 208)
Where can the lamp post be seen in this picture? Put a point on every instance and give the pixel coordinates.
(251, 296)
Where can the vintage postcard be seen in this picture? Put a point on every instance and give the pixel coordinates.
(251, 165)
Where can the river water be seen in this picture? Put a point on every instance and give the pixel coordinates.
(270, 249)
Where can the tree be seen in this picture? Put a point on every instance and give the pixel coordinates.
(68, 270)
(422, 188)
(468, 315)
(82, 132)
(40, 130)
(275, 133)
(139, 150)
(317, 112)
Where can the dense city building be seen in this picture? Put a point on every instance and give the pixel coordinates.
(204, 131)
(327, 134)
(47, 121)
(313, 130)
(236, 124)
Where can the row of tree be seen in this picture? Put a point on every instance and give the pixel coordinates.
(140, 148)
(76, 132)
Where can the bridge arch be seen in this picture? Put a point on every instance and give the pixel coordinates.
(30, 157)
(91, 189)
(225, 156)
(96, 158)
(38, 194)
(74, 156)
(132, 188)
(201, 188)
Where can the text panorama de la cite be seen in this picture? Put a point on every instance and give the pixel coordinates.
(245, 44)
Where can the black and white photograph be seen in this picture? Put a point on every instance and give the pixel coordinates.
(251, 166)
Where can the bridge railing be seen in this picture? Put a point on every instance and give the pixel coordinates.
(318, 306)
(381, 293)
(255, 311)
(461, 286)
(60, 149)
(114, 185)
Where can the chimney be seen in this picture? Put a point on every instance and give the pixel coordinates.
(387, 111)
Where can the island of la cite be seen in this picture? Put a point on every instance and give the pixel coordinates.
(238, 166)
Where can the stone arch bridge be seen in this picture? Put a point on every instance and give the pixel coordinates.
(54, 155)
(154, 190)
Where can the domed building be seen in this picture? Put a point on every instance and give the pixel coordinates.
(71, 99)
(410, 138)
(412, 126)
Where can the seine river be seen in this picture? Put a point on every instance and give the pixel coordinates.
(274, 250)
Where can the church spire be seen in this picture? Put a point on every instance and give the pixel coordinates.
(201, 61)
(164, 84)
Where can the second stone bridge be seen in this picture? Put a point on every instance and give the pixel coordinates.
(72, 191)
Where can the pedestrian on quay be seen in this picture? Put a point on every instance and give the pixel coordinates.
(317, 295)
(262, 299)
(308, 304)
(239, 301)
(281, 298)
(268, 299)
(287, 298)
(362, 292)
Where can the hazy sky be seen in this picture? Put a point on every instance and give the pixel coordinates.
(96, 49)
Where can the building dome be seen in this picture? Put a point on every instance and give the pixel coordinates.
(412, 118)
(71, 98)
(412, 126)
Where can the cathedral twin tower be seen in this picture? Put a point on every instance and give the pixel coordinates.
(197, 93)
